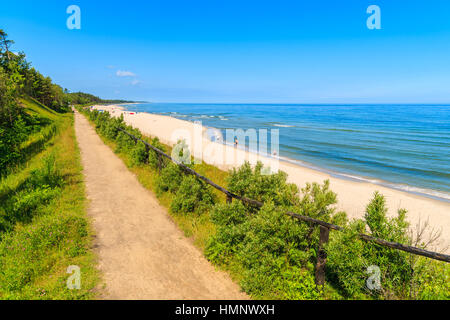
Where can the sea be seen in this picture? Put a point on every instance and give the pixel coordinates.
(405, 147)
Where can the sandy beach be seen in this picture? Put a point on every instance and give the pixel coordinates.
(353, 196)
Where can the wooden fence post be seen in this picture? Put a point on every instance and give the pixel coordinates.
(321, 256)
(229, 199)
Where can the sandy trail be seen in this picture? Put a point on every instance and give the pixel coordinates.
(142, 254)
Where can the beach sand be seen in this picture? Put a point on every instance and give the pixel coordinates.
(353, 196)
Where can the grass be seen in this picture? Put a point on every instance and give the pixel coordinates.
(33, 106)
(43, 207)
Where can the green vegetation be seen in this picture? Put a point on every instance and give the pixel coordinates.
(193, 196)
(269, 253)
(43, 223)
(81, 98)
(402, 275)
(20, 83)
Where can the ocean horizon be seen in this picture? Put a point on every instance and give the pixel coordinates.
(401, 146)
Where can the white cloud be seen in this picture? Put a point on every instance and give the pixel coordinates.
(135, 82)
(121, 73)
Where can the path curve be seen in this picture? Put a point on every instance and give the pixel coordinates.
(141, 252)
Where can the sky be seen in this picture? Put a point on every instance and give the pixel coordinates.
(242, 51)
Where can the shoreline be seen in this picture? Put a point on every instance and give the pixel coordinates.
(382, 183)
(434, 194)
(353, 194)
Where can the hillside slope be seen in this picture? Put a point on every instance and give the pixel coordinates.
(43, 224)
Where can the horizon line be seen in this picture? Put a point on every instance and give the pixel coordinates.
(299, 103)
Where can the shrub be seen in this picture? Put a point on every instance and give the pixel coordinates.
(124, 143)
(139, 154)
(181, 152)
(153, 160)
(11, 138)
(268, 246)
(272, 232)
(110, 129)
(431, 280)
(192, 196)
(297, 284)
(349, 257)
(254, 184)
(226, 215)
(169, 179)
(276, 252)
(317, 202)
(228, 219)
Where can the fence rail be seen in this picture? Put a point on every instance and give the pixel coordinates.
(325, 227)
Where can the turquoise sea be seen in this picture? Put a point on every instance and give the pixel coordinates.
(406, 147)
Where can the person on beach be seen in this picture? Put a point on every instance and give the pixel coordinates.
(235, 142)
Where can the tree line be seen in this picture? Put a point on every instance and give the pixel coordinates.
(19, 79)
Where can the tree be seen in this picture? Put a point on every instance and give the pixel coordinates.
(5, 43)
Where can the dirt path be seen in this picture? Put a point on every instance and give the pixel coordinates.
(142, 254)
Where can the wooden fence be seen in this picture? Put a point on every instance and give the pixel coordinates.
(325, 227)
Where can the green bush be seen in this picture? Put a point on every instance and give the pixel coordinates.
(181, 152)
(268, 246)
(124, 143)
(349, 257)
(169, 180)
(317, 201)
(11, 139)
(255, 184)
(297, 284)
(139, 154)
(225, 242)
(192, 196)
(153, 160)
(276, 252)
(110, 128)
(431, 280)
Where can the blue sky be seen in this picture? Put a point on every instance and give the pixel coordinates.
(240, 51)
